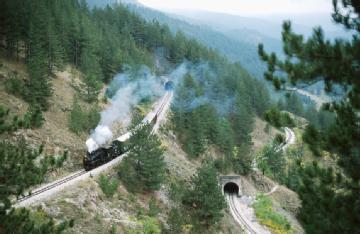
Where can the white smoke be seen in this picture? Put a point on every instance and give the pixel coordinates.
(101, 134)
(128, 89)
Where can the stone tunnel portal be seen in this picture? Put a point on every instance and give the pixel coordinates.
(231, 188)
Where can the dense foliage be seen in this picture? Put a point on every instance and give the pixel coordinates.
(278, 119)
(215, 104)
(100, 42)
(81, 120)
(330, 197)
(204, 198)
(144, 167)
(18, 171)
(271, 162)
(199, 204)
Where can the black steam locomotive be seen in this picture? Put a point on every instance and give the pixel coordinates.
(119, 146)
(103, 155)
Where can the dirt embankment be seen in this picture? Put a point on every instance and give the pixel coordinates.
(94, 213)
(55, 133)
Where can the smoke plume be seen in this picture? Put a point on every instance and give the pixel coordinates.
(126, 90)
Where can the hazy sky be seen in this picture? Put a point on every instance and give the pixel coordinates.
(245, 7)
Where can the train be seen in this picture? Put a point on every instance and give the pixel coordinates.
(120, 145)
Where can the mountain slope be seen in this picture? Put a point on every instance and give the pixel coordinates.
(235, 50)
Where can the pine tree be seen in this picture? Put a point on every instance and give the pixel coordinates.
(76, 118)
(272, 161)
(92, 77)
(144, 166)
(39, 87)
(205, 199)
(55, 51)
(242, 120)
(335, 62)
(18, 171)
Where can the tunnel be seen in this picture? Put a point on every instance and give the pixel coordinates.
(231, 187)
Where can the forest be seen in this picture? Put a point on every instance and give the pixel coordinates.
(215, 106)
(48, 35)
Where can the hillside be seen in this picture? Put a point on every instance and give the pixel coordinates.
(236, 50)
(55, 133)
(57, 73)
(117, 118)
(269, 27)
(86, 203)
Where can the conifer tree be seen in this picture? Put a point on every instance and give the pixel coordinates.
(323, 190)
(19, 171)
(145, 165)
(204, 198)
(55, 51)
(92, 77)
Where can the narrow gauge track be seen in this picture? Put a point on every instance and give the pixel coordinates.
(77, 174)
(239, 217)
(52, 185)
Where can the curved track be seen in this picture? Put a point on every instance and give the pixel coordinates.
(289, 140)
(237, 215)
(58, 185)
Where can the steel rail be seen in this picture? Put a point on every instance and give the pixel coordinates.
(82, 172)
(238, 215)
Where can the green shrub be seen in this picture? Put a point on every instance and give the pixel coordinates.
(154, 209)
(149, 226)
(266, 214)
(108, 186)
(278, 119)
(82, 121)
(93, 118)
(313, 137)
(34, 117)
(77, 117)
(14, 85)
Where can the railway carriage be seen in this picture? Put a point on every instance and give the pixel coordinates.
(120, 145)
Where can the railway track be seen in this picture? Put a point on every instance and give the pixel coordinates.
(56, 185)
(52, 185)
(238, 217)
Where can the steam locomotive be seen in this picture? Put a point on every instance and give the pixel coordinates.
(119, 146)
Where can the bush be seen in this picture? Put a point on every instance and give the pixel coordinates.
(77, 118)
(34, 117)
(93, 118)
(265, 213)
(154, 209)
(14, 85)
(108, 186)
(278, 119)
(82, 121)
(149, 226)
(313, 137)
(286, 120)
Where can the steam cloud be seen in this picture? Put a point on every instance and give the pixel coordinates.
(207, 78)
(126, 90)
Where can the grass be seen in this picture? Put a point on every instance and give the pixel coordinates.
(267, 216)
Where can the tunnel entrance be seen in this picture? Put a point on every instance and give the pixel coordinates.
(231, 188)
